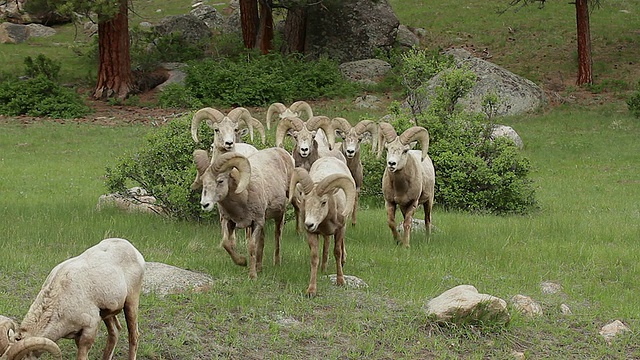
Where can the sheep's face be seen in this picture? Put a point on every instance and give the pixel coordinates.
(315, 209)
(215, 188)
(350, 142)
(227, 133)
(304, 141)
(397, 154)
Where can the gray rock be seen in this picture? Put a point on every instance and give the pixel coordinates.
(367, 70)
(208, 14)
(366, 102)
(516, 94)
(526, 305)
(613, 329)
(549, 287)
(189, 27)
(350, 281)
(13, 33)
(463, 304)
(350, 30)
(565, 309)
(136, 200)
(38, 30)
(406, 37)
(163, 279)
(176, 74)
(508, 132)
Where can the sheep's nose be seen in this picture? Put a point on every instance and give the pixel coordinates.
(351, 152)
(206, 206)
(392, 163)
(228, 143)
(309, 225)
(304, 149)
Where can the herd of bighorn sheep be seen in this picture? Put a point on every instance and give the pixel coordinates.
(320, 178)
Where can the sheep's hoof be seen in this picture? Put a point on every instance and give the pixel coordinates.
(311, 292)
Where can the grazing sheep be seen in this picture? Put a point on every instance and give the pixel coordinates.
(79, 293)
(409, 177)
(351, 139)
(327, 194)
(294, 111)
(228, 131)
(248, 191)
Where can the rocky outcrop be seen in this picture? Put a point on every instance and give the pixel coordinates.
(463, 304)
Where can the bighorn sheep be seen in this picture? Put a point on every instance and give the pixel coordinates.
(306, 150)
(78, 293)
(294, 111)
(327, 194)
(351, 138)
(228, 131)
(248, 191)
(409, 177)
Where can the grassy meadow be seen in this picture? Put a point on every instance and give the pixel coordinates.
(585, 157)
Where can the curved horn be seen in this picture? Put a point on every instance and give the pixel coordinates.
(6, 324)
(386, 134)
(416, 133)
(228, 161)
(300, 175)
(258, 125)
(205, 113)
(284, 126)
(370, 126)
(243, 115)
(341, 123)
(278, 108)
(324, 123)
(343, 182)
(22, 348)
(300, 107)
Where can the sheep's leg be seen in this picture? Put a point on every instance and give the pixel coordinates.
(252, 244)
(408, 212)
(325, 253)
(391, 219)
(113, 327)
(355, 208)
(131, 317)
(299, 220)
(427, 206)
(338, 246)
(279, 225)
(229, 243)
(312, 240)
(85, 341)
(259, 250)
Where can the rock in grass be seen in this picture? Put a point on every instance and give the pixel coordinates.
(463, 305)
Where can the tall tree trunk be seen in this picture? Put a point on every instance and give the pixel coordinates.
(249, 21)
(114, 69)
(266, 27)
(295, 31)
(585, 74)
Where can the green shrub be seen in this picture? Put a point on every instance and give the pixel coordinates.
(164, 167)
(40, 96)
(260, 80)
(633, 102)
(42, 65)
(177, 96)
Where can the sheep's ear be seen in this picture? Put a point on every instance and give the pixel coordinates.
(292, 133)
(413, 144)
(201, 158)
(235, 175)
(300, 193)
(339, 133)
(242, 132)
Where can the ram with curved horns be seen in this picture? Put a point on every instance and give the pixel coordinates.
(352, 136)
(409, 177)
(248, 191)
(327, 194)
(77, 295)
(228, 132)
(294, 111)
(309, 137)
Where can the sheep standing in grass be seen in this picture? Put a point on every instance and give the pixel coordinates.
(409, 177)
(352, 136)
(327, 194)
(79, 293)
(248, 191)
(294, 111)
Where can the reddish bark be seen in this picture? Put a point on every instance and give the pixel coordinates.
(114, 69)
(249, 21)
(585, 74)
(295, 31)
(266, 27)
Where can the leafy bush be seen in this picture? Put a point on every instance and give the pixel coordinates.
(164, 167)
(42, 65)
(264, 79)
(177, 96)
(633, 102)
(40, 96)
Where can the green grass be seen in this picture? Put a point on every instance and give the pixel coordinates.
(584, 237)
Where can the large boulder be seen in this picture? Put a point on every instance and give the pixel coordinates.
(208, 14)
(517, 95)
(463, 304)
(188, 27)
(13, 33)
(16, 12)
(350, 30)
(367, 71)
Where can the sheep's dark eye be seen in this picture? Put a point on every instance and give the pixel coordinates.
(220, 181)
(324, 203)
(405, 151)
